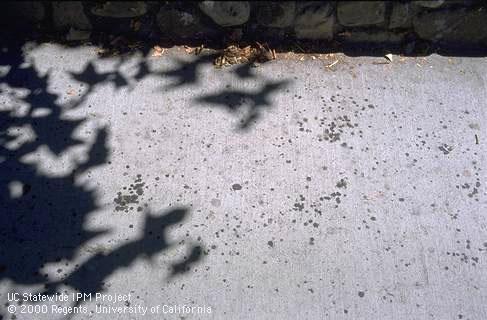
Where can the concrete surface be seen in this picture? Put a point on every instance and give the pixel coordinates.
(350, 194)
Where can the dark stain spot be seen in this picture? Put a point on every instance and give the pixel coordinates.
(341, 184)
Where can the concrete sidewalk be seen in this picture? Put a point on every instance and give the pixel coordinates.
(349, 192)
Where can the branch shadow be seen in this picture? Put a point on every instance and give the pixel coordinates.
(152, 241)
(189, 73)
(44, 215)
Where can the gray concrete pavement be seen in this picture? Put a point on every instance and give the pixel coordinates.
(350, 192)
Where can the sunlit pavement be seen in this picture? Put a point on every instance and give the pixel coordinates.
(306, 191)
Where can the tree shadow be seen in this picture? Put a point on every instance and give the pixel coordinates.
(44, 222)
(188, 72)
(234, 100)
(152, 241)
(44, 215)
(244, 71)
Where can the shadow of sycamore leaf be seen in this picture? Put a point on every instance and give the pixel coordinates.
(187, 73)
(91, 275)
(98, 153)
(91, 77)
(233, 100)
(185, 265)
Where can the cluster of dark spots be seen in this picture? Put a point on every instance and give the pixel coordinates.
(472, 187)
(342, 184)
(474, 191)
(464, 257)
(138, 185)
(310, 222)
(127, 199)
(333, 196)
(371, 219)
(335, 128)
(311, 210)
(298, 206)
(124, 201)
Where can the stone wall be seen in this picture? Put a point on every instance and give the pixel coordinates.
(455, 22)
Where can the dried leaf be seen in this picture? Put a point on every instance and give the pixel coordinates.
(158, 51)
(236, 55)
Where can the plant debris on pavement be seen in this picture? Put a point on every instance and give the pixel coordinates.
(235, 55)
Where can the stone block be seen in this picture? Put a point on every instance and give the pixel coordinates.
(401, 14)
(432, 4)
(120, 9)
(460, 26)
(360, 13)
(276, 14)
(314, 20)
(70, 14)
(31, 11)
(180, 23)
(226, 13)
